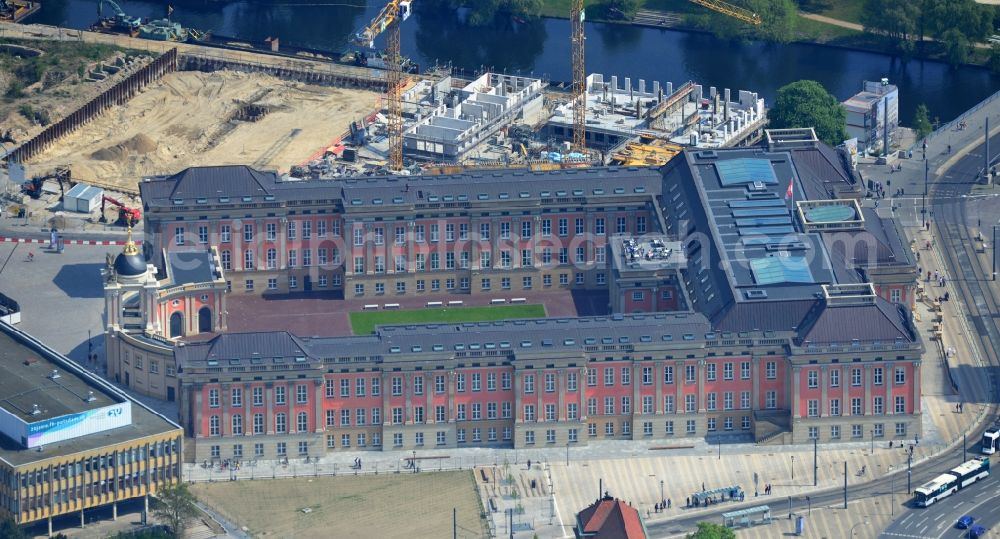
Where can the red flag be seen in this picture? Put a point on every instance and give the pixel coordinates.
(788, 192)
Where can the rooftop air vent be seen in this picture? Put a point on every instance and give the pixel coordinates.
(707, 154)
(35, 410)
(54, 374)
(755, 294)
(90, 397)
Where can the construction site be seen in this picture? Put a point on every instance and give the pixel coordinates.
(190, 107)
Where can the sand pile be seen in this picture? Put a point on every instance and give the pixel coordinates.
(139, 144)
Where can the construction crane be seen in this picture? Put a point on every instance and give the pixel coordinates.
(579, 90)
(120, 20)
(730, 10)
(394, 12)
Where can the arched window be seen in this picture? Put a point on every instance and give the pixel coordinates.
(176, 325)
(204, 320)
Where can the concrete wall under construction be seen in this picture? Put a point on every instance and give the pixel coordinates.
(449, 124)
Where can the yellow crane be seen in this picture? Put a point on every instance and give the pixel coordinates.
(731, 10)
(394, 12)
(577, 40)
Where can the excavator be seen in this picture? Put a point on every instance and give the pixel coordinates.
(126, 214)
(33, 187)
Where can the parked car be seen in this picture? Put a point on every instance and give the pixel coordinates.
(976, 532)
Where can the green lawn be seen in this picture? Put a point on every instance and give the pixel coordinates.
(821, 32)
(363, 323)
(845, 10)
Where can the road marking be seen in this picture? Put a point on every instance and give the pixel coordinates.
(939, 517)
(924, 529)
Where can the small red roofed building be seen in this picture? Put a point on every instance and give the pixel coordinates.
(609, 518)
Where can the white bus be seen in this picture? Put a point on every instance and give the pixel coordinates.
(949, 483)
(990, 438)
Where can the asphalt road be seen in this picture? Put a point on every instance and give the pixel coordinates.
(938, 521)
(951, 212)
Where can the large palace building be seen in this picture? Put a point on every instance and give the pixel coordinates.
(72, 442)
(748, 291)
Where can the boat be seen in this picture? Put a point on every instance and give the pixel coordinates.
(163, 30)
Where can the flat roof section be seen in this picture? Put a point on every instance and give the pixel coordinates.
(27, 382)
(16, 345)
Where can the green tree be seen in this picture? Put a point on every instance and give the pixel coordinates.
(175, 504)
(956, 46)
(10, 530)
(778, 19)
(806, 103)
(897, 20)
(710, 530)
(994, 62)
(972, 20)
(483, 12)
(621, 9)
(921, 122)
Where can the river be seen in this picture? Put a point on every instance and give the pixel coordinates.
(542, 47)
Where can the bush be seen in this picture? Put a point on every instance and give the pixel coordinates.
(15, 89)
(27, 112)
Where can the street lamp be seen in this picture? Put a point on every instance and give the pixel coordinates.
(873, 441)
(793, 467)
(865, 521)
(892, 493)
(662, 497)
(567, 454)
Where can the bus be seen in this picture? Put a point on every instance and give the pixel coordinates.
(990, 438)
(952, 481)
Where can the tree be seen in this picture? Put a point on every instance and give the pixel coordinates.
(994, 62)
(710, 530)
(483, 12)
(806, 103)
(778, 19)
(921, 122)
(175, 505)
(956, 46)
(897, 20)
(10, 530)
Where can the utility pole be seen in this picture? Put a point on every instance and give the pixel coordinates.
(965, 457)
(793, 467)
(454, 523)
(923, 199)
(994, 252)
(909, 473)
(845, 484)
(986, 155)
(720, 448)
(815, 465)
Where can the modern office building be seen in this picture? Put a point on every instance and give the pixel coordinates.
(70, 441)
(873, 115)
(749, 292)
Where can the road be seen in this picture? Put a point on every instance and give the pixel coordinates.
(952, 214)
(938, 521)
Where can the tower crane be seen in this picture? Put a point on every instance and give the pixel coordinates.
(577, 40)
(725, 8)
(394, 12)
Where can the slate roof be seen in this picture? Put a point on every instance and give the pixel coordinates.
(881, 321)
(610, 518)
(236, 184)
(764, 316)
(822, 173)
(227, 346)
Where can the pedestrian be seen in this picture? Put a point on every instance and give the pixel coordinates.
(936, 275)
(943, 281)
(890, 444)
(687, 502)
(669, 503)
(928, 273)
(703, 487)
(529, 464)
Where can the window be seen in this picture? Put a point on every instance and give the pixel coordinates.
(591, 377)
(546, 227)
(258, 423)
(550, 382)
(647, 404)
(744, 400)
(439, 384)
(620, 225)
(599, 226)
(376, 386)
(878, 406)
(476, 381)
(202, 234)
(435, 233)
(710, 404)
(609, 428)
(397, 416)
(345, 388)
(280, 423)
(491, 410)
(626, 405)
(813, 379)
(813, 433)
(771, 370)
(449, 232)
(835, 432)
(647, 376)
(877, 376)
(397, 386)
(710, 372)
(359, 387)
(668, 404)
(745, 370)
(896, 295)
(477, 411)
(550, 412)
(397, 439)
(279, 394)
(668, 427)
(856, 377)
(900, 429)
(376, 416)
(668, 374)
(572, 411)
(226, 233)
(626, 376)
(690, 428)
(812, 406)
(571, 381)
(248, 260)
(640, 224)
(609, 406)
(529, 436)
(834, 407)
(227, 260)
(727, 371)
(572, 435)
(900, 376)
(213, 398)
(491, 381)
(727, 400)
(345, 418)
(505, 381)
(213, 426)
(689, 374)
(302, 422)
(835, 378)
(484, 231)
(460, 382)
(529, 412)
(248, 232)
(236, 397)
(771, 400)
(179, 235)
(529, 383)
(689, 404)
(258, 396)
(331, 418)
(418, 414)
(506, 410)
(609, 376)
(301, 394)
(900, 407)
(321, 229)
(291, 230)
(879, 429)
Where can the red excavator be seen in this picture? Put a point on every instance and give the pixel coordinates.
(126, 215)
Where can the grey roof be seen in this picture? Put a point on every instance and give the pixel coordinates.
(236, 184)
(823, 173)
(228, 346)
(190, 267)
(568, 336)
(881, 321)
(15, 346)
(764, 316)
